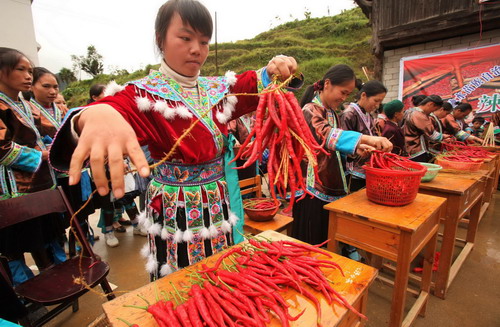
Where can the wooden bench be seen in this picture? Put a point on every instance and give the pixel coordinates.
(279, 223)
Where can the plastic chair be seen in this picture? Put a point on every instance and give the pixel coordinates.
(55, 286)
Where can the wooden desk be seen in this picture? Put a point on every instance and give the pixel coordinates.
(278, 224)
(464, 193)
(354, 287)
(395, 233)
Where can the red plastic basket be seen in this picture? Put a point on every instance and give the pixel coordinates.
(394, 187)
(460, 165)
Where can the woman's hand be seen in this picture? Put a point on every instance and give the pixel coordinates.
(45, 155)
(475, 139)
(379, 143)
(363, 150)
(282, 66)
(106, 137)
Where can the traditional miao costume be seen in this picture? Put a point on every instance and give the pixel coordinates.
(355, 118)
(454, 127)
(310, 219)
(50, 121)
(395, 135)
(22, 171)
(194, 201)
(419, 132)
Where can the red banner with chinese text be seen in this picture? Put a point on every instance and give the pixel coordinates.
(471, 75)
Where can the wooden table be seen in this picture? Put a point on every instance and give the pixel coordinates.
(464, 193)
(395, 233)
(279, 224)
(354, 288)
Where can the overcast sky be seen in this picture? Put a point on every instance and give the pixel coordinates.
(122, 30)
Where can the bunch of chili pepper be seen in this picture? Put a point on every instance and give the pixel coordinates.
(390, 161)
(260, 204)
(460, 148)
(280, 127)
(247, 292)
(456, 157)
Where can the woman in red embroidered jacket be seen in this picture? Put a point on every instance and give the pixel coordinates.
(189, 215)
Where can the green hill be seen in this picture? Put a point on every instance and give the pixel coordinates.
(316, 44)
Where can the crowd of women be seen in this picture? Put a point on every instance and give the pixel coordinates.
(192, 205)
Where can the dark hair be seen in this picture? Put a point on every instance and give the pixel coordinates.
(9, 58)
(463, 107)
(415, 100)
(436, 99)
(337, 75)
(94, 91)
(447, 106)
(371, 88)
(478, 119)
(192, 12)
(38, 72)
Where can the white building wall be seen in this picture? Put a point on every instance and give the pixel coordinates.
(390, 75)
(17, 30)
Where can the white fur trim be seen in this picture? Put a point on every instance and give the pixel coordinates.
(164, 234)
(169, 113)
(151, 264)
(231, 77)
(233, 219)
(232, 100)
(143, 103)
(155, 229)
(213, 231)
(147, 223)
(112, 88)
(145, 250)
(141, 217)
(160, 106)
(221, 117)
(183, 112)
(226, 227)
(205, 233)
(165, 270)
(178, 236)
(188, 236)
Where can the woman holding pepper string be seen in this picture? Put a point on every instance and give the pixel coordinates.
(319, 103)
(193, 199)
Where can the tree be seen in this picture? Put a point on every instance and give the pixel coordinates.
(92, 63)
(66, 75)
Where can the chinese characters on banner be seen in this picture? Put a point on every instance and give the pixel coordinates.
(471, 75)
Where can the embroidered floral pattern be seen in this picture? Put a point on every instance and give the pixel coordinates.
(196, 249)
(188, 175)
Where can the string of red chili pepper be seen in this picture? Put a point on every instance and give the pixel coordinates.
(389, 161)
(280, 127)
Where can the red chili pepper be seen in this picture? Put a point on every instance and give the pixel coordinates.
(183, 316)
(201, 305)
(215, 309)
(194, 313)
